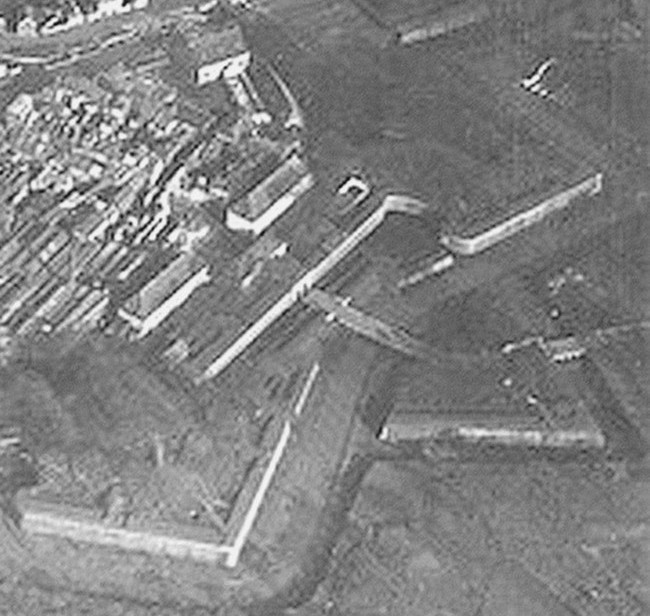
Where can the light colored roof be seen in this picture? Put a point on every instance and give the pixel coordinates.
(166, 281)
(258, 200)
(21, 106)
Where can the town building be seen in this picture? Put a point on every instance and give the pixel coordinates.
(20, 109)
(27, 27)
(424, 426)
(106, 8)
(218, 54)
(263, 205)
(162, 285)
(504, 406)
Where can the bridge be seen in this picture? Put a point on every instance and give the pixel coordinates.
(367, 325)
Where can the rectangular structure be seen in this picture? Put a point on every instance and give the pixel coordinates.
(75, 524)
(447, 21)
(218, 54)
(271, 198)
(469, 246)
(487, 426)
(416, 426)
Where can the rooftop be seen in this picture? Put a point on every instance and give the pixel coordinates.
(263, 196)
(494, 393)
(210, 46)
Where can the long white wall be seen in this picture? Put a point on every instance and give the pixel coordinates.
(469, 246)
(234, 551)
(392, 203)
(454, 21)
(35, 522)
(177, 299)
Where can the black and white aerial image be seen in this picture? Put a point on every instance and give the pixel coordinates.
(324, 307)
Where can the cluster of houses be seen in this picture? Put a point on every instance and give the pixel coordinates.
(132, 182)
(31, 21)
(90, 158)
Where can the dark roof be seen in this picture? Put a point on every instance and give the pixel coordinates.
(265, 194)
(212, 46)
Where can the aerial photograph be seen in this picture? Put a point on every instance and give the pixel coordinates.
(325, 308)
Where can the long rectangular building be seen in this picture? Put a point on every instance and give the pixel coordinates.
(417, 20)
(270, 199)
(530, 402)
(472, 244)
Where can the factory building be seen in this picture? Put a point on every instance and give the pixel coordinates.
(505, 406)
